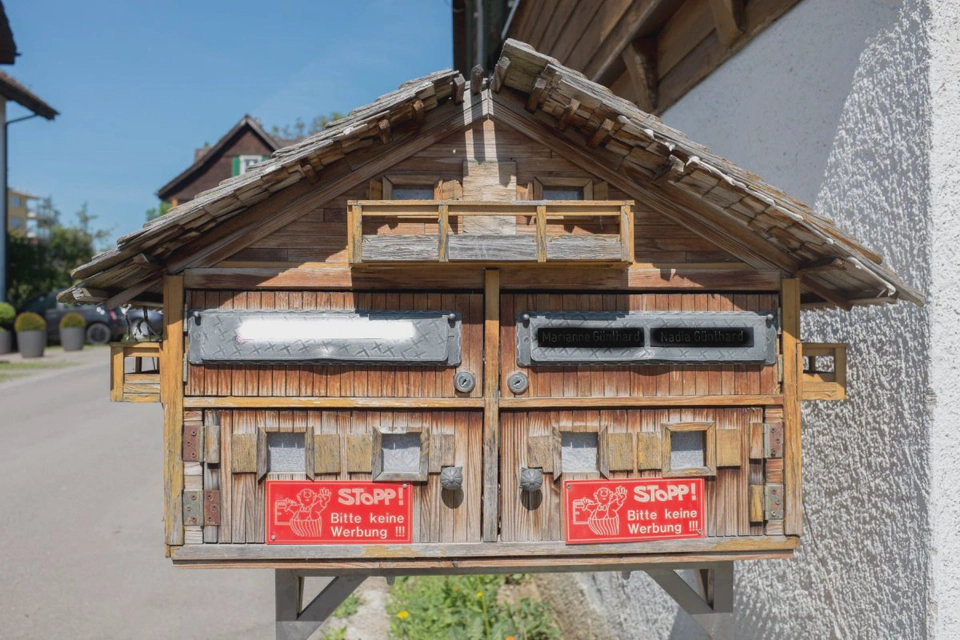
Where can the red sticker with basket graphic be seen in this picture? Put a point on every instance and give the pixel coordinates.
(339, 512)
(628, 510)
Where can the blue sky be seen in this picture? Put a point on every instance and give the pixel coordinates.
(140, 84)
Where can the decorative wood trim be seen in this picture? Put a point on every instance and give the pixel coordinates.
(792, 377)
(171, 394)
(491, 409)
(335, 277)
(312, 402)
(729, 18)
(639, 402)
(547, 556)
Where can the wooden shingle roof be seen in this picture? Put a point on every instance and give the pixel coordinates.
(561, 109)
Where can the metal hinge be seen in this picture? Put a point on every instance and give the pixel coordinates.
(192, 508)
(773, 501)
(772, 439)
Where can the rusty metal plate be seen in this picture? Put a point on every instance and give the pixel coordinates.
(211, 508)
(192, 442)
(192, 508)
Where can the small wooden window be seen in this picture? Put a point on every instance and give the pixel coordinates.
(579, 451)
(568, 189)
(286, 452)
(400, 454)
(689, 449)
(420, 187)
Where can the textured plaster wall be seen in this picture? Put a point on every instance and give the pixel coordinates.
(944, 316)
(833, 104)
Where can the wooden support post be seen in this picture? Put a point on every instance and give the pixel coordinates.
(296, 622)
(171, 395)
(116, 373)
(443, 220)
(491, 410)
(792, 376)
(626, 232)
(541, 233)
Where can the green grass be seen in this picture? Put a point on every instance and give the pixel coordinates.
(348, 607)
(14, 370)
(465, 608)
(31, 366)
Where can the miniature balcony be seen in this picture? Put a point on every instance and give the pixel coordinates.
(542, 231)
(135, 372)
(824, 371)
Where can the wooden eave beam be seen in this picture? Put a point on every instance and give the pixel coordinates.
(706, 222)
(640, 58)
(635, 22)
(287, 205)
(729, 18)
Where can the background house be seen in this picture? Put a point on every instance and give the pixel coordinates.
(243, 146)
(12, 91)
(852, 107)
(19, 206)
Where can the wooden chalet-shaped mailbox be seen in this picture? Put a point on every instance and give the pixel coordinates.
(500, 324)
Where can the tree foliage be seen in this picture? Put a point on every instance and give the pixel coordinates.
(39, 267)
(158, 210)
(299, 129)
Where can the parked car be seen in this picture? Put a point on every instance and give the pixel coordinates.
(103, 325)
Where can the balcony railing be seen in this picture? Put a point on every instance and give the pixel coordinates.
(135, 372)
(434, 231)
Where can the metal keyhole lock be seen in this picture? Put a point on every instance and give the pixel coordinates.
(518, 382)
(464, 382)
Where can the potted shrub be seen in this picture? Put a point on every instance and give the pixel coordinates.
(7, 314)
(73, 331)
(31, 331)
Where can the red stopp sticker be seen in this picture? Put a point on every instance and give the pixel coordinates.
(628, 510)
(339, 512)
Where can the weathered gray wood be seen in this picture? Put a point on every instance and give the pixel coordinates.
(492, 248)
(745, 545)
(405, 248)
(584, 247)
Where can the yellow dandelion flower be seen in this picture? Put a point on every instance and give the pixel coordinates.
(510, 638)
(456, 588)
(479, 594)
(403, 615)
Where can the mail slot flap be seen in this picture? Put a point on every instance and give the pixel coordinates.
(325, 337)
(610, 337)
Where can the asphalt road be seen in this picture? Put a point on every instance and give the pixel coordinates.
(81, 530)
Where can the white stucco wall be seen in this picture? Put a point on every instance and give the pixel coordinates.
(852, 105)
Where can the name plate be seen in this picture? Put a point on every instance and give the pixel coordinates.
(598, 511)
(325, 337)
(564, 338)
(339, 512)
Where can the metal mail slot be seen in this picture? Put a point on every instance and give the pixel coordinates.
(325, 337)
(609, 337)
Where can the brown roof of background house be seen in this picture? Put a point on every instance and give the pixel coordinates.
(11, 89)
(202, 161)
(8, 47)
